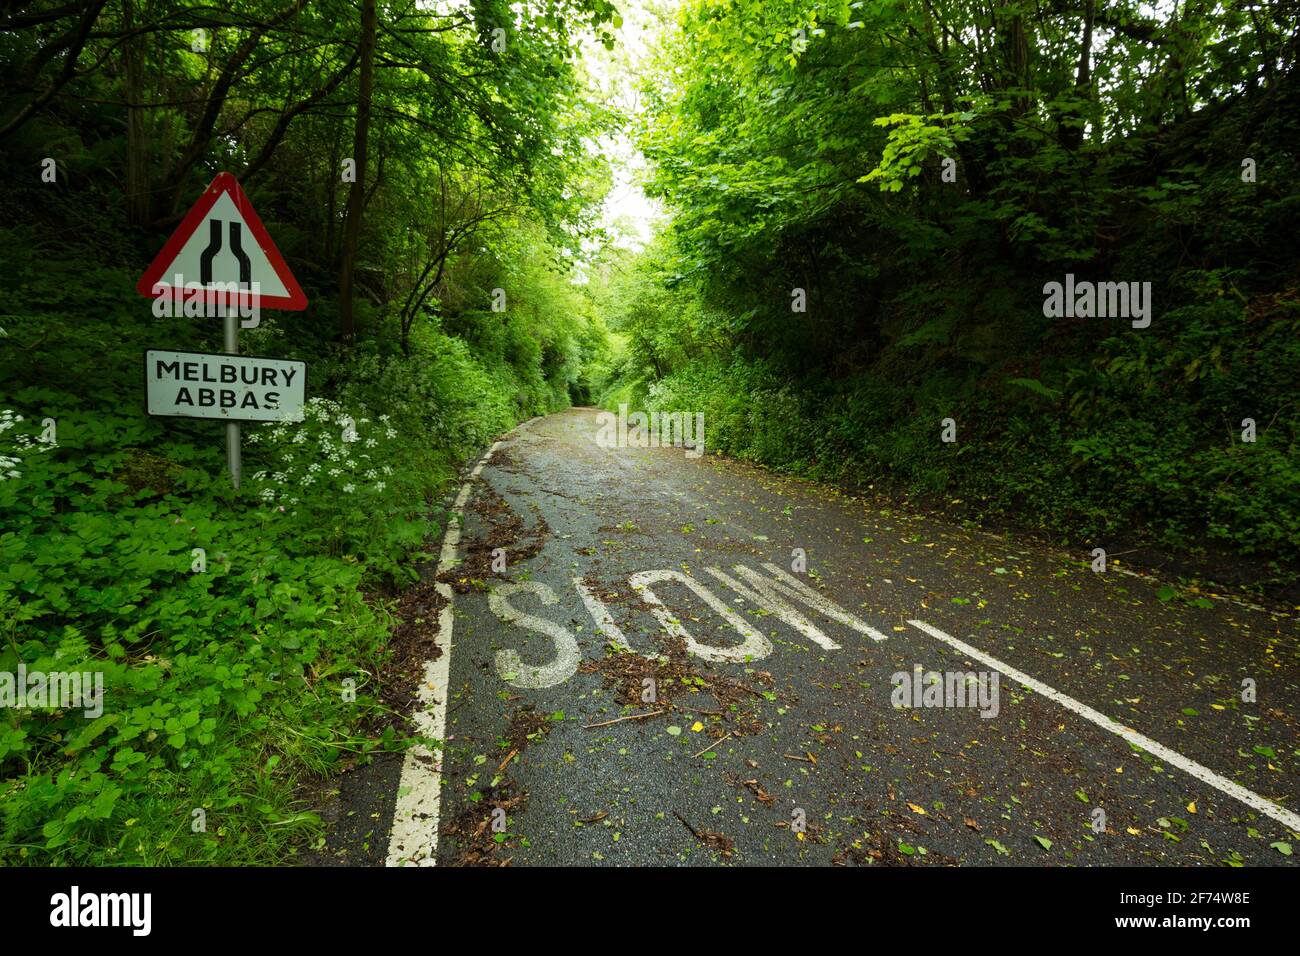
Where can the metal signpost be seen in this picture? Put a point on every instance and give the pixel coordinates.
(234, 463)
(221, 262)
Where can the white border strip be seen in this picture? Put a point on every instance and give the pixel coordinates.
(1204, 774)
(414, 839)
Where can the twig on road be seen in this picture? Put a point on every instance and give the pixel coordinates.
(619, 720)
(694, 832)
(509, 757)
(710, 747)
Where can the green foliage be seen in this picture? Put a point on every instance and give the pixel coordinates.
(912, 141)
(207, 676)
(801, 147)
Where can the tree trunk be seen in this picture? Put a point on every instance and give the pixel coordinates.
(138, 203)
(331, 199)
(1070, 134)
(356, 192)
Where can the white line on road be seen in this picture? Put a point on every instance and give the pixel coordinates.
(755, 647)
(414, 839)
(1240, 602)
(605, 624)
(1204, 774)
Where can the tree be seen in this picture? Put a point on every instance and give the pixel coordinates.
(356, 192)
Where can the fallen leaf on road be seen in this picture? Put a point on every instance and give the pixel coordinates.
(758, 791)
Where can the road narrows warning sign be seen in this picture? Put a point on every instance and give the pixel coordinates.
(220, 249)
(231, 387)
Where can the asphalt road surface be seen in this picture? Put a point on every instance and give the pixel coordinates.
(654, 658)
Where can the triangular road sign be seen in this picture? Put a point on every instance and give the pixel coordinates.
(219, 247)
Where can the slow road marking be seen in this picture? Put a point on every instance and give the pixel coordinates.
(414, 838)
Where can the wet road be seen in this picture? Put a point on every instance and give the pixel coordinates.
(663, 659)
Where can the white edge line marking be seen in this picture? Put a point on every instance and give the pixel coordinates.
(1231, 598)
(1204, 774)
(414, 838)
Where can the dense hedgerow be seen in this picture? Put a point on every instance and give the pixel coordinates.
(1146, 472)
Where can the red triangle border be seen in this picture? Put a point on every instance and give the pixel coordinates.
(295, 301)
